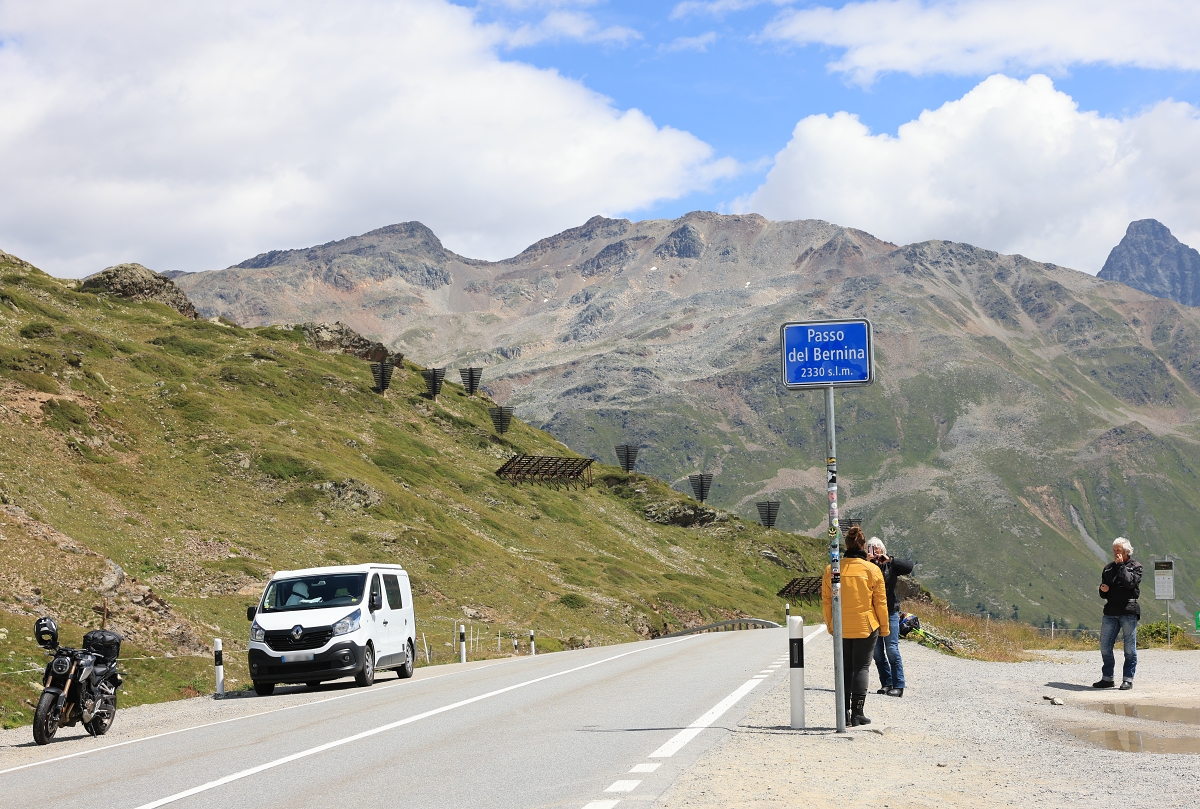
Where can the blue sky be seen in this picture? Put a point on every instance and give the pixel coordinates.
(743, 93)
(193, 135)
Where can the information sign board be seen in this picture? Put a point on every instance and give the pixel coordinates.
(1164, 581)
(824, 353)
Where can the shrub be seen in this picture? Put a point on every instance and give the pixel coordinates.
(37, 330)
(281, 466)
(574, 601)
(65, 415)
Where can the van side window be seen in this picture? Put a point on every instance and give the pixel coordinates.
(392, 585)
(374, 588)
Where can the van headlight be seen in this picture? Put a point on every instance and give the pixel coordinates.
(348, 624)
(257, 633)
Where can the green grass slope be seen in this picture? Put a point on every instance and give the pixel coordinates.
(161, 468)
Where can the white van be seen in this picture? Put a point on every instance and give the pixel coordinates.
(324, 623)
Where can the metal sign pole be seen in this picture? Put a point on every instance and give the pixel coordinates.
(835, 563)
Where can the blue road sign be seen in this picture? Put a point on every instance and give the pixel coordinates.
(818, 354)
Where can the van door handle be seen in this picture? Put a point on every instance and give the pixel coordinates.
(385, 623)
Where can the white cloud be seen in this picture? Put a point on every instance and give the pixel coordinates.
(717, 8)
(973, 37)
(1014, 166)
(190, 135)
(696, 43)
(572, 25)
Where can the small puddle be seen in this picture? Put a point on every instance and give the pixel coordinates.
(1158, 713)
(1134, 741)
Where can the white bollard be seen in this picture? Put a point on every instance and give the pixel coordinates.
(219, 662)
(462, 641)
(532, 648)
(515, 650)
(796, 667)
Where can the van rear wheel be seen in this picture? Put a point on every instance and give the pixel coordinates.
(366, 675)
(264, 689)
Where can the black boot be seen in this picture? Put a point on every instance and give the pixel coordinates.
(857, 702)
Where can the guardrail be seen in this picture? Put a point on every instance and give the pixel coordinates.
(725, 626)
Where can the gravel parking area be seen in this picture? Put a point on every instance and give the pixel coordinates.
(965, 733)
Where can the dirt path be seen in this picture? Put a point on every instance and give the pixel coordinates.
(965, 733)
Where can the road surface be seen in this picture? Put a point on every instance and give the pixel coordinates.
(588, 728)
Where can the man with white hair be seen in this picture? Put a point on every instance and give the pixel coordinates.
(1120, 586)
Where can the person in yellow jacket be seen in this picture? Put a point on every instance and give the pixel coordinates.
(864, 618)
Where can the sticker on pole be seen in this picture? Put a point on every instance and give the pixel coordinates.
(1164, 581)
(820, 354)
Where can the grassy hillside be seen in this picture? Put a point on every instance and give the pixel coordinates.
(165, 467)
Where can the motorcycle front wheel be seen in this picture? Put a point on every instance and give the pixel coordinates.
(44, 725)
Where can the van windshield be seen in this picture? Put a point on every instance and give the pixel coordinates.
(314, 592)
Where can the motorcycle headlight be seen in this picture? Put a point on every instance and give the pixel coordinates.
(348, 624)
(60, 666)
(257, 633)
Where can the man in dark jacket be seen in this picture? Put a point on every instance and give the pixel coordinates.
(1120, 586)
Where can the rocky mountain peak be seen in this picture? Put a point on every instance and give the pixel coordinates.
(1151, 259)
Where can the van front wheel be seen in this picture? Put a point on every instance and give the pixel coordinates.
(406, 670)
(366, 675)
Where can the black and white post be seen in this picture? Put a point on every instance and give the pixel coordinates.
(835, 565)
(796, 668)
(532, 648)
(219, 663)
(462, 642)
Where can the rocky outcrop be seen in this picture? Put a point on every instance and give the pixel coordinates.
(680, 513)
(338, 338)
(1151, 259)
(684, 242)
(134, 282)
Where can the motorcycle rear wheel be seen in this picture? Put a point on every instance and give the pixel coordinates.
(100, 725)
(44, 725)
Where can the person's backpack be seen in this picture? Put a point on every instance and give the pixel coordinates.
(908, 622)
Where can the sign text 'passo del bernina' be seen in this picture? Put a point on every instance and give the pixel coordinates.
(823, 353)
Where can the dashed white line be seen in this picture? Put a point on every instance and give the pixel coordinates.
(646, 767)
(623, 786)
(601, 805)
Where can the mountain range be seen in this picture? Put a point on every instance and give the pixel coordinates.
(1025, 414)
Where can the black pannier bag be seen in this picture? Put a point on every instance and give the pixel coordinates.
(103, 643)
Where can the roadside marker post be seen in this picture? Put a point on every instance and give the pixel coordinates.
(796, 668)
(1164, 588)
(219, 663)
(532, 648)
(462, 642)
(829, 354)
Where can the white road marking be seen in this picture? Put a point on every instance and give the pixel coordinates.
(684, 736)
(623, 786)
(601, 805)
(676, 742)
(237, 776)
(356, 693)
(646, 767)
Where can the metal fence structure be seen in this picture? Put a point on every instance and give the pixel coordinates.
(548, 470)
(434, 377)
(701, 483)
(725, 626)
(470, 379)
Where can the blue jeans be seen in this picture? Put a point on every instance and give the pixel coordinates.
(1109, 627)
(887, 656)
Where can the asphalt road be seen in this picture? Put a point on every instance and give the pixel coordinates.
(576, 729)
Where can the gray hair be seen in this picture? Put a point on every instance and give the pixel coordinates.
(878, 543)
(1123, 543)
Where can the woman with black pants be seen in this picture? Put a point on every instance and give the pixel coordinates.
(864, 618)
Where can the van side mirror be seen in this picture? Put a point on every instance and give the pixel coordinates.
(376, 601)
(251, 611)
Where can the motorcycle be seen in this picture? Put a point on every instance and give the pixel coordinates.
(79, 685)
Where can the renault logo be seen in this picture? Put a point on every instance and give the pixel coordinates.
(297, 632)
